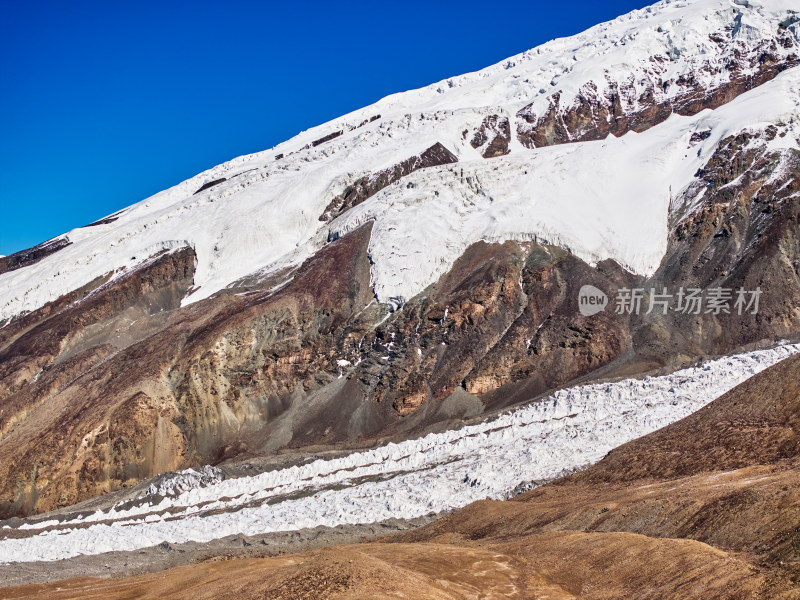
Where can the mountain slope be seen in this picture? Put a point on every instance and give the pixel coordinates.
(725, 476)
(417, 261)
(411, 479)
(704, 508)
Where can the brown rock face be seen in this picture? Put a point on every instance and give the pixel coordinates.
(49, 358)
(327, 138)
(595, 115)
(32, 255)
(740, 234)
(370, 185)
(503, 314)
(210, 184)
(107, 410)
(492, 137)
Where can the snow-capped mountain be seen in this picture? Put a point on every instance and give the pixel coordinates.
(418, 260)
(262, 213)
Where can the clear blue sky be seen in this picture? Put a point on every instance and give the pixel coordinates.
(104, 104)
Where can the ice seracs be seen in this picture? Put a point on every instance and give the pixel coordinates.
(572, 428)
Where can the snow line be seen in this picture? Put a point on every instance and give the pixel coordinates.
(570, 429)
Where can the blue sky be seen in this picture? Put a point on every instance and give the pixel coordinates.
(104, 104)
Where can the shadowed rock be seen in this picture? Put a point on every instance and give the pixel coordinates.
(33, 255)
(492, 137)
(370, 185)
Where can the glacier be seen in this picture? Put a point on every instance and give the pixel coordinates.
(570, 429)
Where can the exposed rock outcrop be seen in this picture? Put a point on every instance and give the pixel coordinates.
(188, 392)
(637, 105)
(367, 186)
(492, 137)
(33, 255)
(210, 184)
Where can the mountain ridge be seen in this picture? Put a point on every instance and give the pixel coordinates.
(632, 41)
